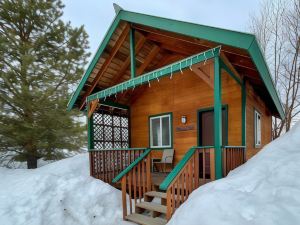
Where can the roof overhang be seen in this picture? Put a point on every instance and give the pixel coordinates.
(229, 39)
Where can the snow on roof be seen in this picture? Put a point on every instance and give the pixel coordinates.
(265, 190)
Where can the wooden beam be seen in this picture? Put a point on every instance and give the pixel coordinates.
(140, 70)
(148, 59)
(189, 45)
(206, 76)
(105, 65)
(92, 108)
(142, 67)
(229, 65)
(126, 63)
(190, 40)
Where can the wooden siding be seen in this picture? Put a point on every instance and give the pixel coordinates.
(253, 102)
(185, 94)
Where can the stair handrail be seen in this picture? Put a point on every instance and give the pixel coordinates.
(173, 174)
(133, 164)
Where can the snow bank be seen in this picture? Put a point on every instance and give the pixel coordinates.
(265, 190)
(59, 193)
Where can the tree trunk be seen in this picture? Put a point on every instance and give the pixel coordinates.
(31, 162)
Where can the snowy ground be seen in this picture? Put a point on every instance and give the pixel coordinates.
(60, 193)
(264, 191)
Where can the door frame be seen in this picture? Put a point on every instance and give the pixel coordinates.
(200, 111)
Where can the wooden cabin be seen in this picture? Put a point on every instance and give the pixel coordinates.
(156, 84)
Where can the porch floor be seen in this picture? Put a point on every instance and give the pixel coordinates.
(158, 177)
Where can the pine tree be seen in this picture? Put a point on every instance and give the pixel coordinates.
(41, 59)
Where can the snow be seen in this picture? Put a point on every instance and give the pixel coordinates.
(59, 193)
(265, 190)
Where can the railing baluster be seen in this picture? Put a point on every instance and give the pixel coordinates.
(129, 190)
(124, 204)
(139, 181)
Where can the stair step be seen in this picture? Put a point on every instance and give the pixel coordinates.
(152, 207)
(156, 194)
(145, 220)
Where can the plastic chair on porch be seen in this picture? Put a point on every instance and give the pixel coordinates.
(167, 159)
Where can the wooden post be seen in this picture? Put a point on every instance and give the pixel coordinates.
(218, 117)
(169, 206)
(123, 184)
(212, 163)
(148, 172)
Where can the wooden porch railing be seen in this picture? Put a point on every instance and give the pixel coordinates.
(196, 168)
(107, 164)
(135, 180)
(233, 157)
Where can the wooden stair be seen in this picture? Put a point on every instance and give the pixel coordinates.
(148, 212)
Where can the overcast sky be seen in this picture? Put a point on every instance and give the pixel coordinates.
(97, 15)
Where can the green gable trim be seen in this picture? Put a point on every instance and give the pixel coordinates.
(156, 74)
(236, 39)
(264, 72)
(218, 35)
(94, 61)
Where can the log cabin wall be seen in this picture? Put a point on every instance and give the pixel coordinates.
(253, 102)
(185, 94)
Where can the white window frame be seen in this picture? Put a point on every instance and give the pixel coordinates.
(160, 140)
(257, 129)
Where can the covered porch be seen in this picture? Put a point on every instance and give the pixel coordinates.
(118, 128)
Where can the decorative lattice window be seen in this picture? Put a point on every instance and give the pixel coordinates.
(111, 129)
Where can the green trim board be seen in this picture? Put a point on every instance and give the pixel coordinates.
(172, 175)
(133, 164)
(132, 52)
(218, 117)
(90, 130)
(235, 39)
(199, 111)
(156, 74)
(171, 129)
(263, 69)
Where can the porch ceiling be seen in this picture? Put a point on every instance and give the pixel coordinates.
(156, 48)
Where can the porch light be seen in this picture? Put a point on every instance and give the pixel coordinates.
(183, 119)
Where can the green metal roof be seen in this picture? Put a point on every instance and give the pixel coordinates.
(235, 39)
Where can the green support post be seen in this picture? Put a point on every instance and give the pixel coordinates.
(132, 53)
(218, 117)
(90, 130)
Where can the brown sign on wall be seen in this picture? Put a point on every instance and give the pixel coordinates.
(185, 128)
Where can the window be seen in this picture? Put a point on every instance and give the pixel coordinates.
(257, 129)
(160, 131)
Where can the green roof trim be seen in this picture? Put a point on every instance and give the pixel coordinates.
(94, 61)
(133, 164)
(235, 39)
(156, 74)
(264, 72)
